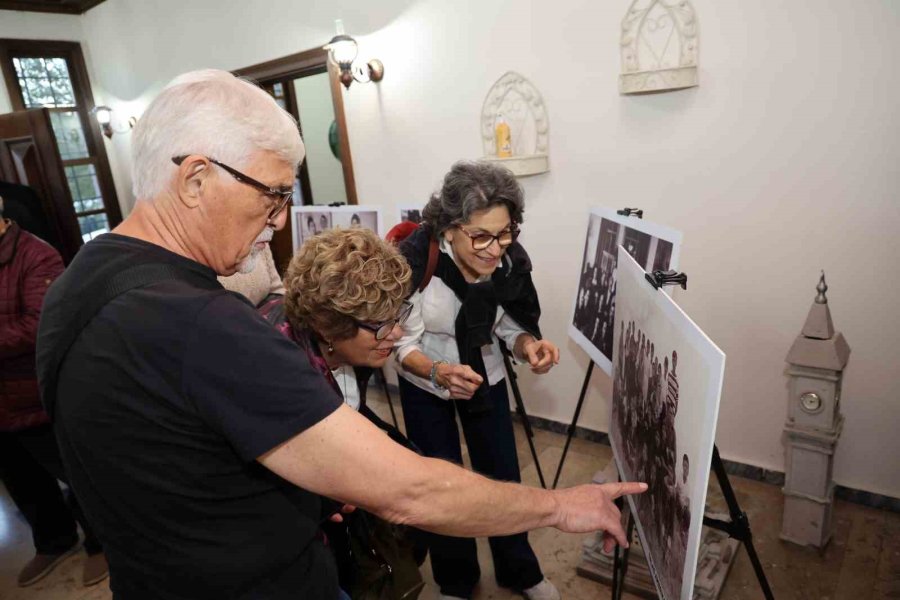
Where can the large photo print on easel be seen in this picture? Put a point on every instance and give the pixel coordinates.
(653, 246)
(667, 379)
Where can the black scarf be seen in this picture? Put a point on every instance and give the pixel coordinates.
(510, 286)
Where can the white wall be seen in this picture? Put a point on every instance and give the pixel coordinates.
(326, 176)
(783, 162)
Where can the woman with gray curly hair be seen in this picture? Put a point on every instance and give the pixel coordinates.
(450, 362)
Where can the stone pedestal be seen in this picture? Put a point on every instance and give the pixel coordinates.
(714, 561)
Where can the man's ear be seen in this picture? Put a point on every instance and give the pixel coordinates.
(193, 176)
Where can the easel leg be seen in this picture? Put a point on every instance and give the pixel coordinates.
(620, 556)
(379, 375)
(520, 410)
(571, 431)
(739, 527)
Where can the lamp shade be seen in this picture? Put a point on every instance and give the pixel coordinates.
(342, 49)
(103, 114)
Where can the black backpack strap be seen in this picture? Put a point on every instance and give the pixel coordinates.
(123, 281)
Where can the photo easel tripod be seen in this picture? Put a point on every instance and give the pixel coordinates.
(520, 409)
(738, 527)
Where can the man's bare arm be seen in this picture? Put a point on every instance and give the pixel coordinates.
(348, 459)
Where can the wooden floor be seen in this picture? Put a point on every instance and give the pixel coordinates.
(862, 561)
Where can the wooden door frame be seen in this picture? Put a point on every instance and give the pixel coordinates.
(311, 62)
(71, 51)
(56, 200)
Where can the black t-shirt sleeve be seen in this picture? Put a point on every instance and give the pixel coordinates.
(249, 382)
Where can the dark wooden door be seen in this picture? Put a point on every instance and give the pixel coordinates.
(29, 156)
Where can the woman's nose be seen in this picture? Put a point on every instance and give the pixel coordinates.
(396, 333)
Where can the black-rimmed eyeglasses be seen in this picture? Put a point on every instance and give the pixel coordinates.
(384, 328)
(280, 197)
(482, 241)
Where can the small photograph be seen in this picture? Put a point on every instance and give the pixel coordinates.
(307, 221)
(654, 248)
(667, 380)
(411, 213)
(358, 218)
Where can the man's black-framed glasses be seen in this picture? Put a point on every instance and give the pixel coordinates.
(384, 328)
(482, 241)
(280, 197)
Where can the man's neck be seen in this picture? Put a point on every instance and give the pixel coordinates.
(150, 224)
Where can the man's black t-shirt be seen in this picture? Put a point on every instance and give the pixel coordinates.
(164, 402)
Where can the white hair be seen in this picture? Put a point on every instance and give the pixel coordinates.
(212, 113)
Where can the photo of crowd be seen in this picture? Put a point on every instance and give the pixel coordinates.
(595, 300)
(645, 402)
(667, 378)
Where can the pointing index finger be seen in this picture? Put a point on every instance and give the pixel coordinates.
(629, 487)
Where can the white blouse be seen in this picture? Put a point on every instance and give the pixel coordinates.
(431, 329)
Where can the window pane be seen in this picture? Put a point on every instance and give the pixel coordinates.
(85, 188)
(44, 82)
(39, 92)
(92, 226)
(69, 135)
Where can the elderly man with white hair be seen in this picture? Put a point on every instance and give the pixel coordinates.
(198, 439)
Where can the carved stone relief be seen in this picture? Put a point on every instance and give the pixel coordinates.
(659, 46)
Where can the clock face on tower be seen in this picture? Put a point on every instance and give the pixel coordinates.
(810, 402)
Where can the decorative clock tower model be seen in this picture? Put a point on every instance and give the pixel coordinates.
(816, 365)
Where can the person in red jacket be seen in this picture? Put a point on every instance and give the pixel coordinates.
(30, 462)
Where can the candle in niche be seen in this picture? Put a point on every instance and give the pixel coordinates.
(502, 136)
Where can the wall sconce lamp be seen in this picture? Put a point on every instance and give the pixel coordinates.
(342, 51)
(103, 114)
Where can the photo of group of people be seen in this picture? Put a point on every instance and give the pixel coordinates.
(652, 246)
(307, 221)
(645, 402)
(411, 213)
(667, 378)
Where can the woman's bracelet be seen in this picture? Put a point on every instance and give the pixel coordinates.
(434, 367)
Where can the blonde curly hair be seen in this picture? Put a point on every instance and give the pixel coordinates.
(342, 276)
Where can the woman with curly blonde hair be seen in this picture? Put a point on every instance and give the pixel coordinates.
(345, 299)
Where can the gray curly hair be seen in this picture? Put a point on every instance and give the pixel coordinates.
(470, 187)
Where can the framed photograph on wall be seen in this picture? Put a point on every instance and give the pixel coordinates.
(667, 380)
(307, 221)
(653, 246)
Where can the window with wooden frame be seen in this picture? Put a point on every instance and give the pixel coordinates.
(52, 75)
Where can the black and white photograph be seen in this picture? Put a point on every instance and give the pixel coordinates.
(411, 213)
(654, 247)
(309, 220)
(667, 379)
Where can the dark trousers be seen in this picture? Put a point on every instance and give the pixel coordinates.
(431, 425)
(30, 465)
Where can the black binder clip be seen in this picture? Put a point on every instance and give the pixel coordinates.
(660, 278)
(631, 212)
(336, 204)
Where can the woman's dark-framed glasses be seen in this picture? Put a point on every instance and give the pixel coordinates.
(280, 197)
(384, 328)
(482, 241)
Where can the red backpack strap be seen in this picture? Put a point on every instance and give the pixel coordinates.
(433, 253)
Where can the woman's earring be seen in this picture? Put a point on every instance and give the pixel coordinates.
(330, 348)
